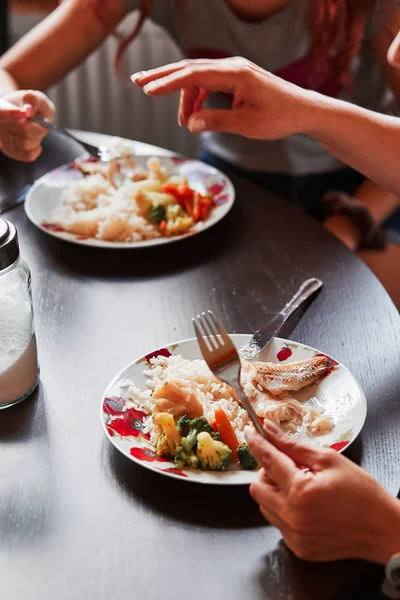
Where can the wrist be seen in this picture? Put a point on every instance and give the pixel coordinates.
(323, 115)
(313, 109)
(344, 229)
(384, 537)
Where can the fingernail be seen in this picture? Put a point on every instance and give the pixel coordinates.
(28, 110)
(150, 87)
(197, 125)
(138, 75)
(18, 114)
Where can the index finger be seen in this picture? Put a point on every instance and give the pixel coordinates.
(279, 467)
(142, 78)
(211, 77)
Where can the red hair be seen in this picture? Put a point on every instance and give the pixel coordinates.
(336, 32)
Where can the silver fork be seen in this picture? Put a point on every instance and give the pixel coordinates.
(223, 359)
(96, 151)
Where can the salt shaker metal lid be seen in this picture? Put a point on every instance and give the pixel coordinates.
(9, 247)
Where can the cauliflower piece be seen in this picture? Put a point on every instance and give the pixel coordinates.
(168, 440)
(212, 454)
(178, 225)
(145, 199)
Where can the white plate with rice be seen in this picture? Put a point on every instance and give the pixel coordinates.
(127, 404)
(87, 210)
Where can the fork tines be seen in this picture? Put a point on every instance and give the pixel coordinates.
(208, 328)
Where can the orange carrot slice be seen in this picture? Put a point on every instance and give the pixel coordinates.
(196, 206)
(226, 432)
(169, 188)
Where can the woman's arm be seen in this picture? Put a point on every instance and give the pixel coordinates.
(379, 201)
(57, 45)
(367, 141)
(266, 107)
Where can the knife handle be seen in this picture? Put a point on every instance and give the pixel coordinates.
(307, 288)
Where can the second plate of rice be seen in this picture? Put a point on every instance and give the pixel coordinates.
(128, 206)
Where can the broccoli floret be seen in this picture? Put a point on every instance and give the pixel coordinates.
(169, 439)
(196, 426)
(190, 428)
(183, 458)
(216, 435)
(182, 425)
(246, 459)
(156, 214)
(212, 454)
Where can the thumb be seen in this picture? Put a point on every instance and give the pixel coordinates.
(12, 112)
(214, 120)
(303, 454)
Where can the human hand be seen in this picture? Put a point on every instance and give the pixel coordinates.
(333, 510)
(263, 106)
(20, 139)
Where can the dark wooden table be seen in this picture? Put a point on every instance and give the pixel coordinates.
(80, 521)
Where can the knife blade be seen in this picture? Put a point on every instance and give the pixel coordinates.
(266, 334)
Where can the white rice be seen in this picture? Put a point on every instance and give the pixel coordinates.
(91, 207)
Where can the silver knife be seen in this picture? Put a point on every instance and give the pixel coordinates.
(266, 334)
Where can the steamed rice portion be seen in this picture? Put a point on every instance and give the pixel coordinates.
(91, 207)
(110, 204)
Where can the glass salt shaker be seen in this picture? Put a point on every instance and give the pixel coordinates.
(19, 370)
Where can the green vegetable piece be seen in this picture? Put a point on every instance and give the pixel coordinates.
(189, 430)
(183, 459)
(156, 214)
(182, 425)
(196, 426)
(246, 459)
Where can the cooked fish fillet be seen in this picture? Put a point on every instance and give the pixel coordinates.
(288, 413)
(290, 377)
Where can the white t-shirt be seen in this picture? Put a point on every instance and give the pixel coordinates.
(209, 29)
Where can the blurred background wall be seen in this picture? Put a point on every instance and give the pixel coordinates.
(93, 98)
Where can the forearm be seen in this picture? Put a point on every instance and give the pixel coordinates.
(7, 83)
(57, 45)
(386, 533)
(365, 140)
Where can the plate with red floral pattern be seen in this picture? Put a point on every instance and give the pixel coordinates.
(337, 394)
(45, 197)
